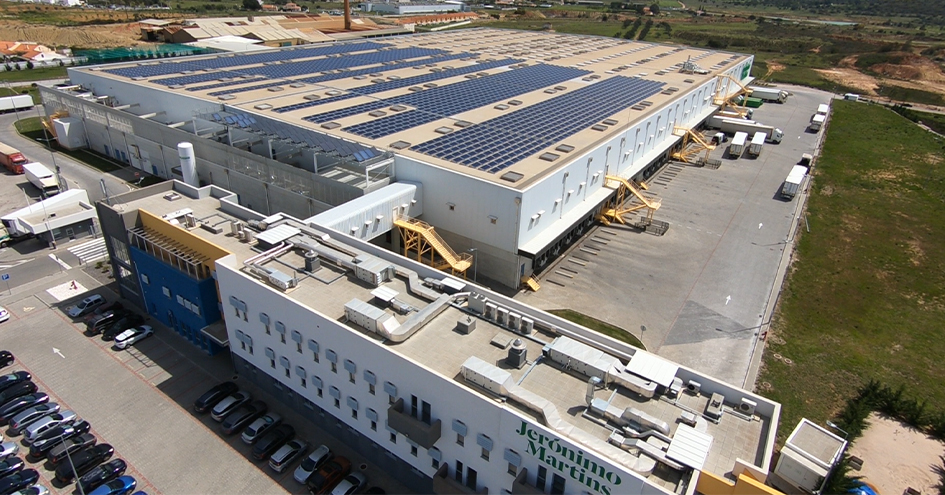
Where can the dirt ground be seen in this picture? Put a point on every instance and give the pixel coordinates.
(916, 73)
(101, 36)
(896, 457)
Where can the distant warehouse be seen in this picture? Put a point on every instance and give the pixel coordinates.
(512, 142)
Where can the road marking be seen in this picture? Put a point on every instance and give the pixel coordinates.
(57, 351)
(63, 264)
(90, 251)
(16, 263)
(727, 299)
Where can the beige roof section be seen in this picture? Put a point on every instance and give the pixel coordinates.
(603, 58)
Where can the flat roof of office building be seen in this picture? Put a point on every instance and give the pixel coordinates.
(502, 105)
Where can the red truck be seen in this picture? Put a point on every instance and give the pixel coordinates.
(12, 159)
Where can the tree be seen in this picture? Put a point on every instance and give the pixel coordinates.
(251, 5)
(840, 480)
(655, 9)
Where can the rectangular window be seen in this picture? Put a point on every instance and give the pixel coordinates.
(373, 425)
(436, 464)
(512, 469)
(413, 406)
(338, 403)
(303, 382)
(460, 440)
(334, 367)
(318, 392)
(298, 347)
(251, 351)
(282, 337)
(425, 412)
(371, 389)
(351, 377)
(484, 454)
(459, 471)
(242, 345)
(145, 279)
(166, 291)
(287, 372)
(393, 437)
(542, 476)
(354, 414)
(413, 450)
(557, 484)
(471, 478)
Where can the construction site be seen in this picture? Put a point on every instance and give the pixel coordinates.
(514, 143)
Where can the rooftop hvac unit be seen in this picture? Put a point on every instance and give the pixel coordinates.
(517, 354)
(281, 280)
(515, 321)
(248, 236)
(312, 262)
(747, 407)
(502, 316)
(693, 387)
(528, 325)
(190, 220)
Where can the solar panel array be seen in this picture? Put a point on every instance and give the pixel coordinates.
(401, 83)
(328, 144)
(498, 143)
(162, 69)
(444, 101)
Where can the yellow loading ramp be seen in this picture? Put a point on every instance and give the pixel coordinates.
(613, 210)
(692, 145)
(727, 101)
(420, 236)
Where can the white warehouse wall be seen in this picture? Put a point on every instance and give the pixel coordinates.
(449, 399)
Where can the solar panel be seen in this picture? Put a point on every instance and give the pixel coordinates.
(503, 141)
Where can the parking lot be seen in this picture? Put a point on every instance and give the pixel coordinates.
(140, 400)
(699, 294)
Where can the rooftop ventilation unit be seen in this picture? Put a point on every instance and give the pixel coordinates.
(517, 354)
(281, 280)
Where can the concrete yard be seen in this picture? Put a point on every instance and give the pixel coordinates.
(699, 294)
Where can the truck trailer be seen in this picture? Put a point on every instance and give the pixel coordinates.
(12, 159)
(42, 178)
(757, 142)
(18, 102)
(817, 121)
(737, 146)
(793, 182)
(731, 126)
(769, 94)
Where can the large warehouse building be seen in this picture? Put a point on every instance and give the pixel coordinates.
(445, 385)
(510, 141)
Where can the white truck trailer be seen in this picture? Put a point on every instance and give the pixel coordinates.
(769, 94)
(737, 146)
(731, 126)
(757, 142)
(817, 121)
(42, 178)
(793, 182)
(822, 109)
(16, 102)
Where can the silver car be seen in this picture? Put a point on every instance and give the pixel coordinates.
(47, 423)
(7, 449)
(33, 490)
(310, 464)
(260, 427)
(31, 415)
(229, 404)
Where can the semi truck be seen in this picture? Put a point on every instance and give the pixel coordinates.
(729, 114)
(12, 159)
(737, 146)
(42, 178)
(793, 182)
(757, 142)
(769, 94)
(731, 126)
(18, 102)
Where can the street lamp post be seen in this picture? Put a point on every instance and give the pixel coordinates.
(69, 458)
(841, 430)
(46, 138)
(475, 262)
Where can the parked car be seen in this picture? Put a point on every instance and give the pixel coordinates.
(118, 486)
(132, 335)
(260, 427)
(287, 454)
(10, 465)
(352, 483)
(6, 359)
(4, 314)
(18, 390)
(29, 416)
(229, 404)
(105, 308)
(33, 490)
(49, 440)
(8, 448)
(97, 323)
(70, 446)
(46, 423)
(271, 441)
(128, 321)
(83, 462)
(102, 474)
(242, 416)
(86, 306)
(211, 397)
(9, 380)
(18, 481)
(14, 406)
(329, 475)
(310, 464)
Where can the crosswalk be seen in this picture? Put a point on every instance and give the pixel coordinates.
(90, 251)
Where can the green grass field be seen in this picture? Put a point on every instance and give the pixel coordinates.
(37, 74)
(603, 327)
(866, 295)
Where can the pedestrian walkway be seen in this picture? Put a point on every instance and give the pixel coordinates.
(90, 251)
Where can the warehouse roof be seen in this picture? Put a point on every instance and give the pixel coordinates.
(484, 102)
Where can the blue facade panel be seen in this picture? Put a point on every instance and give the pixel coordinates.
(177, 300)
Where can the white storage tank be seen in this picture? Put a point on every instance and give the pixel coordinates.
(188, 163)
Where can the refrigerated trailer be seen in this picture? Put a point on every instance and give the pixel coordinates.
(737, 146)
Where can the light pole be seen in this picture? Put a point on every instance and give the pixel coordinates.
(475, 262)
(841, 430)
(69, 458)
(49, 147)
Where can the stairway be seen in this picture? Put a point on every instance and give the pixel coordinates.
(531, 283)
(458, 262)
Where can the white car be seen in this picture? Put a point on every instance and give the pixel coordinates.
(4, 314)
(132, 335)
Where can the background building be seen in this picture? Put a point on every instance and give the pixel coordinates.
(518, 138)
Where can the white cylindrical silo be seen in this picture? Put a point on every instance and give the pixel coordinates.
(188, 164)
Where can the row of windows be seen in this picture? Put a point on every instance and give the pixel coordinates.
(186, 303)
